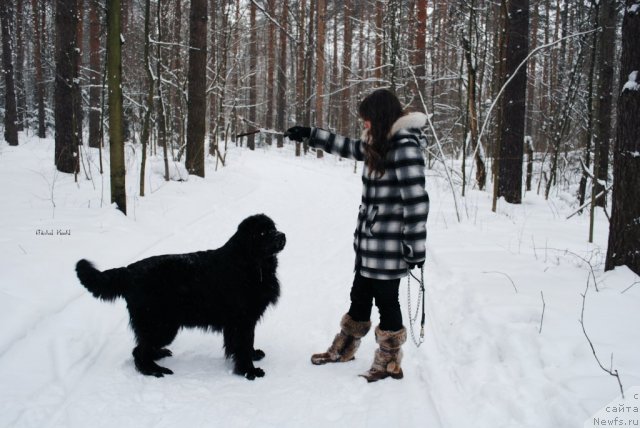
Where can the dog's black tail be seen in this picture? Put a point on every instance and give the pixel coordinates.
(107, 285)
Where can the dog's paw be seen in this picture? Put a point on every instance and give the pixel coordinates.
(258, 354)
(162, 353)
(156, 371)
(254, 373)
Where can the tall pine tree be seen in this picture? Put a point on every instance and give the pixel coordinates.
(513, 107)
(197, 86)
(11, 115)
(66, 94)
(624, 228)
(114, 85)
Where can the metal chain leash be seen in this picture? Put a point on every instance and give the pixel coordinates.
(421, 297)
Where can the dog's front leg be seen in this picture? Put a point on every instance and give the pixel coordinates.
(238, 343)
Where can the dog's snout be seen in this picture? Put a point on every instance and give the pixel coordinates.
(281, 239)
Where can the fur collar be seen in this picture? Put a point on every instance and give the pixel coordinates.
(410, 120)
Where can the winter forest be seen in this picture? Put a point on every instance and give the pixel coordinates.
(141, 127)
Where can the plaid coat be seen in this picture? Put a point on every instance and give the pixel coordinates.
(391, 227)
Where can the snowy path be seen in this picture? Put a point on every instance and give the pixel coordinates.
(65, 357)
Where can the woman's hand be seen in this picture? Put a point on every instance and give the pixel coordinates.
(298, 133)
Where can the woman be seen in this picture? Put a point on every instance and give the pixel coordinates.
(391, 230)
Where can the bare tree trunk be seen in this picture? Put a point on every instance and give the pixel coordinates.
(10, 115)
(498, 81)
(21, 97)
(77, 91)
(532, 76)
(419, 56)
(197, 107)
(162, 115)
(300, 68)
(379, 39)
(530, 159)
(253, 53)
(320, 58)
(175, 104)
(308, 91)
(624, 230)
(271, 63)
(346, 69)
(66, 94)
(282, 74)
(151, 83)
(95, 75)
(604, 100)
(333, 113)
(217, 57)
(114, 84)
(38, 11)
(511, 153)
(472, 112)
(582, 189)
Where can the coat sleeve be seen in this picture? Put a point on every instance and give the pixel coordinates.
(336, 144)
(410, 165)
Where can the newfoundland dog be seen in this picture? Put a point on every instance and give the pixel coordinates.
(226, 290)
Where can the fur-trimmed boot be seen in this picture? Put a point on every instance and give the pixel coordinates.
(345, 344)
(388, 356)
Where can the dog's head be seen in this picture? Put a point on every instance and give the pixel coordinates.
(260, 235)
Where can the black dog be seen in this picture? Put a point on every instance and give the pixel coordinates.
(226, 290)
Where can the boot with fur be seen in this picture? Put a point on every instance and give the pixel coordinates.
(345, 344)
(387, 358)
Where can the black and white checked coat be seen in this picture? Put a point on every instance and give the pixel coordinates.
(391, 228)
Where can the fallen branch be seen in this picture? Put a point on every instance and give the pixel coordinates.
(626, 289)
(610, 371)
(544, 305)
(502, 273)
(257, 129)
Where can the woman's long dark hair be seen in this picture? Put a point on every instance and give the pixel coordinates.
(382, 108)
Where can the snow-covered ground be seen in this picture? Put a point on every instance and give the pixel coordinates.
(65, 357)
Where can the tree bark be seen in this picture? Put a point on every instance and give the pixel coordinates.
(95, 75)
(253, 53)
(271, 63)
(624, 230)
(282, 75)
(197, 87)
(149, 106)
(10, 115)
(21, 97)
(511, 150)
(66, 94)
(77, 91)
(419, 56)
(301, 69)
(345, 103)
(604, 100)
(320, 58)
(114, 85)
(379, 39)
(38, 16)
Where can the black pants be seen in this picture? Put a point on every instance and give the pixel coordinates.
(385, 292)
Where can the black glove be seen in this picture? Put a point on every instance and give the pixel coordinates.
(298, 133)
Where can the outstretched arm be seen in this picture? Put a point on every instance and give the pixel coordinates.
(328, 141)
